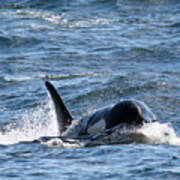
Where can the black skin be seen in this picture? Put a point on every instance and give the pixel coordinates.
(126, 112)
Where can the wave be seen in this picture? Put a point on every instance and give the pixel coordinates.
(39, 125)
(68, 76)
(21, 78)
(16, 78)
(152, 133)
(52, 18)
(146, 3)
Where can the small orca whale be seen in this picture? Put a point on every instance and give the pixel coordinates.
(127, 112)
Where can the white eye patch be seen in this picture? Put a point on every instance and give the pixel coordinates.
(97, 127)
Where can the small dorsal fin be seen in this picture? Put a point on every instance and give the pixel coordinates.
(64, 117)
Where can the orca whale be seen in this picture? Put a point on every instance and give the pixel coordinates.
(126, 112)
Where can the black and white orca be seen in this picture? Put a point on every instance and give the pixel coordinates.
(127, 112)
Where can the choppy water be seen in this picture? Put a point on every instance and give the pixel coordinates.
(95, 52)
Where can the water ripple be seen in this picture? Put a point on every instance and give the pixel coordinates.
(95, 52)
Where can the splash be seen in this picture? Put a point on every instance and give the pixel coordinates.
(152, 133)
(41, 122)
(158, 133)
(32, 125)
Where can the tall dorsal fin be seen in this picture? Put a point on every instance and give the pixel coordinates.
(64, 117)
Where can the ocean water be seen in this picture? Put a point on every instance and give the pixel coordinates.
(95, 52)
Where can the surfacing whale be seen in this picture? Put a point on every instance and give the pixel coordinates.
(126, 113)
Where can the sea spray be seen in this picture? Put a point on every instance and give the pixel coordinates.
(151, 133)
(158, 133)
(41, 122)
(32, 124)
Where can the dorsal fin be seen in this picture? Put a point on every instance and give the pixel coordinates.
(64, 117)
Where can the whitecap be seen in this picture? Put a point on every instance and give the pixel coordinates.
(64, 76)
(18, 78)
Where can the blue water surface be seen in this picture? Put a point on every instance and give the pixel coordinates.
(95, 52)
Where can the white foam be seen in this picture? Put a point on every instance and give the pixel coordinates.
(41, 121)
(74, 75)
(158, 133)
(152, 133)
(32, 125)
(18, 78)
